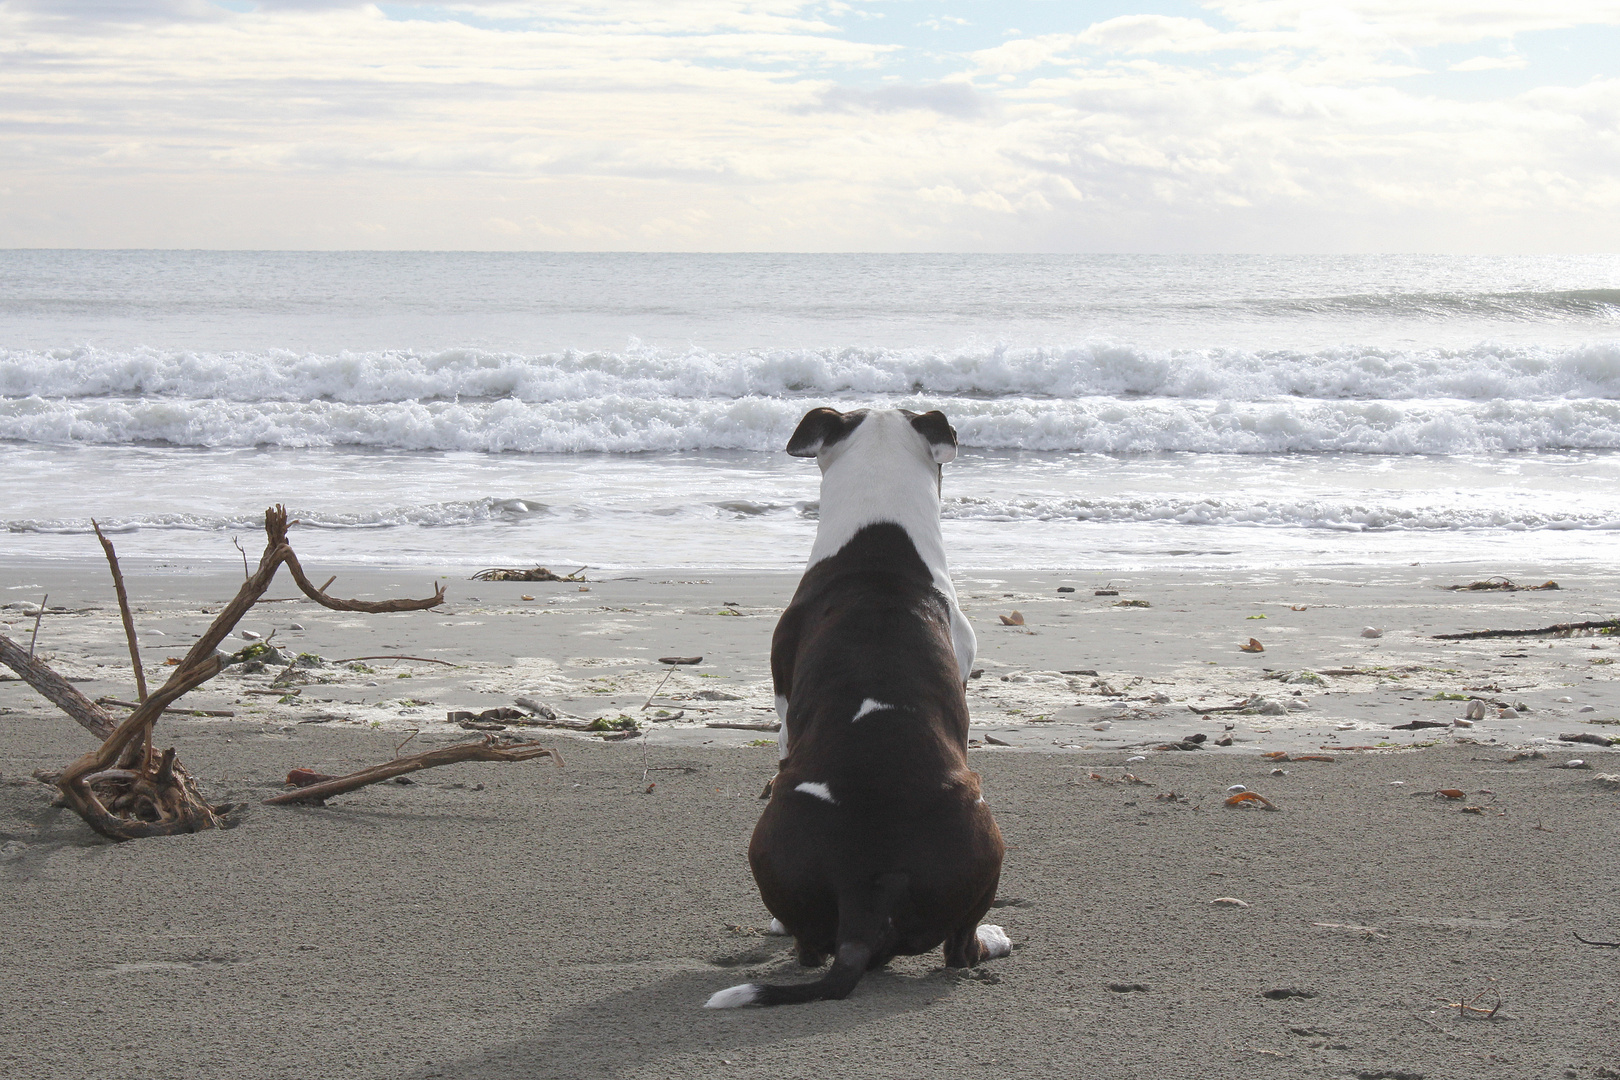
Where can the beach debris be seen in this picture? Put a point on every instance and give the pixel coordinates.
(1250, 799)
(1224, 740)
(536, 708)
(1527, 755)
(306, 777)
(1572, 763)
(1283, 993)
(1297, 607)
(1612, 779)
(1507, 713)
(538, 573)
(1015, 619)
(1065, 588)
(1599, 944)
(1473, 810)
(125, 789)
(1475, 710)
(1128, 988)
(1253, 646)
(1106, 592)
(388, 656)
(1133, 760)
(1132, 778)
(1587, 708)
(1279, 772)
(489, 748)
(1371, 632)
(1588, 737)
(991, 740)
(1500, 584)
(1302, 677)
(1472, 1009)
(249, 635)
(1564, 700)
(1462, 723)
(1449, 793)
(1132, 603)
(1228, 901)
(1419, 725)
(1235, 788)
(1560, 629)
(749, 725)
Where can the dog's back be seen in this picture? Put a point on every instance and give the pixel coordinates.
(876, 841)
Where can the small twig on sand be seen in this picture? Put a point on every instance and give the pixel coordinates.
(38, 615)
(648, 703)
(246, 573)
(123, 611)
(487, 749)
(761, 725)
(1555, 628)
(418, 659)
(414, 733)
(1599, 944)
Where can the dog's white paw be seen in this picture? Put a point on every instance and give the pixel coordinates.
(778, 929)
(734, 997)
(994, 941)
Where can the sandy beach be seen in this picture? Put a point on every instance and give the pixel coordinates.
(521, 920)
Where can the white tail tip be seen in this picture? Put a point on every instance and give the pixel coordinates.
(734, 997)
(995, 942)
(778, 929)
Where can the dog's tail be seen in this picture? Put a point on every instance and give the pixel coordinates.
(865, 930)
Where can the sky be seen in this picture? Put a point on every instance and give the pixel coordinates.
(1268, 126)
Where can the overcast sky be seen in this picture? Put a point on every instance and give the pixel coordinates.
(872, 125)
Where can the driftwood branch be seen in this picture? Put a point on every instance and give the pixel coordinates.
(55, 689)
(123, 611)
(1555, 628)
(118, 789)
(418, 659)
(486, 749)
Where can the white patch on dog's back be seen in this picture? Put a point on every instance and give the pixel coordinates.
(870, 705)
(733, 997)
(819, 790)
(993, 939)
(882, 471)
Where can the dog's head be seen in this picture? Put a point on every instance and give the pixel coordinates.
(898, 434)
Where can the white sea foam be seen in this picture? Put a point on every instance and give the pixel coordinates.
(621, 423)
(1092, 368)
(1386, 514)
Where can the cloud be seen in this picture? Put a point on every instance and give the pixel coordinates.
(1490, 63)
(741, 124)
(948, 99)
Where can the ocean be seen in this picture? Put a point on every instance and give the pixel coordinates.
(627, 411)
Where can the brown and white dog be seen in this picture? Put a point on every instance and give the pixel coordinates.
(876, 842)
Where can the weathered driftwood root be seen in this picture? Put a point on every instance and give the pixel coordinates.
(489, 748)
(1555, 628)
(539, 573)
(119, 789)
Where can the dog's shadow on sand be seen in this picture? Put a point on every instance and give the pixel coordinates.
(602, 1039)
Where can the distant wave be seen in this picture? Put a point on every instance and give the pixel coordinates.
(1528, 305)
(1484, 372)
(1338, 515)
(619, 424)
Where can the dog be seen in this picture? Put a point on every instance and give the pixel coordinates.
(876, 841)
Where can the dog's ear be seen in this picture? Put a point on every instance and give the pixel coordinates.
(819, 429)
(940, 435)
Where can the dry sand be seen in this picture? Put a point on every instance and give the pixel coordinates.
(524, 921)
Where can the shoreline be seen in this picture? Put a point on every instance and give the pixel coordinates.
(1155, 663)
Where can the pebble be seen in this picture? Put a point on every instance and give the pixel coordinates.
(249, 635)
(1104, 726)
(1587, 708)
(1565, 700)
(1507, 714)
(1299, 704)
(1134, 760)
(1462, 723)
(296, 626)
(1371, 631)
(1279, 772)
(1397, 783)
(1235, 788)
(1229, 901)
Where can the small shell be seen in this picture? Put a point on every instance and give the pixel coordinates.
(1134, 760)
(1229, 901)
(1565, 700)
(1371, 631)
(1235, 788)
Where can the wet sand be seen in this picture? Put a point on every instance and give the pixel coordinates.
(517, 920)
